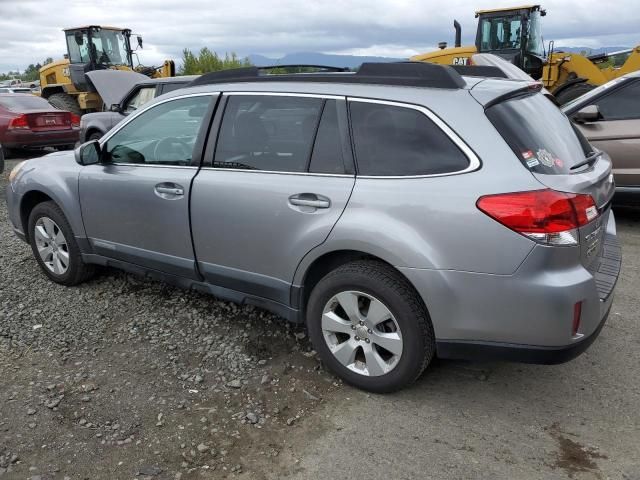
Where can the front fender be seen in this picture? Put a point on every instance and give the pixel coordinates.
(56, 176)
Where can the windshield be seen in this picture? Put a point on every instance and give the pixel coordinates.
(541, 136)
(500, 32)
(78, 53)
(535, 44)
(568, 107)
(110, 47)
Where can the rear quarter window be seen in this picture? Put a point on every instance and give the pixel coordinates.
(541, 136)
(394, 140)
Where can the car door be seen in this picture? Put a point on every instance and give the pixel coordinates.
(135, 203)
(618, 132)
(278, 181)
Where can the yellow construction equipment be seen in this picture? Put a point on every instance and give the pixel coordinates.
(516, 35)
(91, 47)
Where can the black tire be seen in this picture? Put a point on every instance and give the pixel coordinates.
(574, 91)
(398, 295)
(8, 152)
(77, 271)
(1, 159)
(95, 135)
(64, 101)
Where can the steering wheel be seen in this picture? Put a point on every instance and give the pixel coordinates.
(172, 150)
(104, 58)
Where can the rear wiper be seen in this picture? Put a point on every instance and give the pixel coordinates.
(587, 161)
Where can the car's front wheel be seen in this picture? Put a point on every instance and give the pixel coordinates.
(54, 245)
(370, 326)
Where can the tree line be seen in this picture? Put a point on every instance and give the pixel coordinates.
(30, 74)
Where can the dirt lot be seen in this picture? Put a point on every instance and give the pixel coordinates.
(122, 378)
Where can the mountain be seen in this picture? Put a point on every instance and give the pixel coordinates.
(313, 58)
(354, 61)
(589, 50)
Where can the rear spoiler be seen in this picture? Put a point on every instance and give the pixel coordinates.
(530, 89)
(480, 71)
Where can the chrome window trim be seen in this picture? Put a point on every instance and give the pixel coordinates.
(149, 165)
(277, 172)
(474, 161)
(286, 94)
(132, 116)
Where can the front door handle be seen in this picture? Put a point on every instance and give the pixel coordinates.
(309, 200)
(169, 190)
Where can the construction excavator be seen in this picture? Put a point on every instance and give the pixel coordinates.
(515, 34)
(64, 83)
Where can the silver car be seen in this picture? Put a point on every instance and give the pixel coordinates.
(401, 212)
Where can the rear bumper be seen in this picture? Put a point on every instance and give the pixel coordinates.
(527, 316)
(31, 139)
(486, 351)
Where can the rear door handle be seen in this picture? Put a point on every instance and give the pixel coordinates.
(309, 200)
(169, 190)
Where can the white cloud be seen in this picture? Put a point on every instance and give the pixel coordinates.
(31, 30)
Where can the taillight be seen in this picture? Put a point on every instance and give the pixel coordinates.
(75, 120)
(546, 216)
(18, 123)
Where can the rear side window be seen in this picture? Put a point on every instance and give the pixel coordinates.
(540, 135)
(327, 150)
(396, 141)
(621, 104)
(268, 132)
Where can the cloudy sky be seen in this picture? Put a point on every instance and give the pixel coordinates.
(31, 30)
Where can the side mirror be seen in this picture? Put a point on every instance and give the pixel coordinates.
(115, 107)
(590, 113)
(88, 153)
(78, 38)
(139, 41)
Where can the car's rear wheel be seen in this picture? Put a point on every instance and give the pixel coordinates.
(370, 326)
(54, 245)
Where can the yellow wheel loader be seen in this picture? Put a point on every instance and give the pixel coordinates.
(64, 82)
(515, 34)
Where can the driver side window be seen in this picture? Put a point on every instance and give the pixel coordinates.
(142, 96)
(163, 135)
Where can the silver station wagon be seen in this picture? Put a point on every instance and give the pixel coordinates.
(401, 212)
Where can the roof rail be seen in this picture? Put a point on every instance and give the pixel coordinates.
(326, 68)
(410, 74)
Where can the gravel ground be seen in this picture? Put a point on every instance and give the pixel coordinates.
(122, 378)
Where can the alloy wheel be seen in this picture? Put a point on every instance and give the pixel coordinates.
(52, 245)
(362, 333)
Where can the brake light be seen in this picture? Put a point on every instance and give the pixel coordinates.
(545, 216)
(18, 123)
(75, 120)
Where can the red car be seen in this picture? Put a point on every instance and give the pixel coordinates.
(27, 121)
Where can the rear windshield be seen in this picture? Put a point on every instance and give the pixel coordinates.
(540, 135)
(19, 103)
